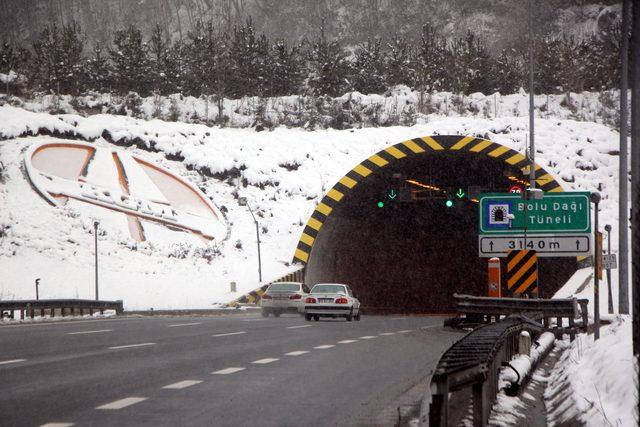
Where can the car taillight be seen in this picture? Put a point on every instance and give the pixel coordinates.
(341, 300)
(310, 300)
(295, 296)
(267, 296)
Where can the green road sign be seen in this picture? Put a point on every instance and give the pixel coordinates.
(555, 213)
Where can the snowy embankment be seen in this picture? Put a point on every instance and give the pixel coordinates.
(399, 106)
(593, 382)
(283, 173)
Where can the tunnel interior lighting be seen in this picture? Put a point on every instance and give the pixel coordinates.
(518, 180)
(423, 185)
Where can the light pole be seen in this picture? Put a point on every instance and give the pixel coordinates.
(595, 199)
(242, 201)
(95, 235)
(610, 297)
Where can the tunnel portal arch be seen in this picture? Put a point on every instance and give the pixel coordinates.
(389, 263)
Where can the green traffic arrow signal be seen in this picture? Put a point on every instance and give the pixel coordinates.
(393, 194)
(460, 193)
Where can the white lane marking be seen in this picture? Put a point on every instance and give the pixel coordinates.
(254, 320)
(182, 384)
(57, 425)
(368, 337)
(227, 371)
(6, 362)
(429, 327)
(122, 403)
(405, 331)
(89, 332)
(144, 344)
(184, 324)
(299, 326)
(347, 341)
(296, 353)
(228, 334)
(399, 318)
(265, 361)
(386, 334)
(322, 347)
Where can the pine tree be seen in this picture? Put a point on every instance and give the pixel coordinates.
(398, 67)
(470, 65)
(10, 65)
(57, 58)
(131, 65)
(508, 72)
(286, 70)
(328, 68)
(368, 69)
(98, 71)
(250, 62)
(430, 62)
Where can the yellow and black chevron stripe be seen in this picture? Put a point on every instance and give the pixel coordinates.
(425, 145)
(522, 273)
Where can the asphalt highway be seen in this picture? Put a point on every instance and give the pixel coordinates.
(231, 370)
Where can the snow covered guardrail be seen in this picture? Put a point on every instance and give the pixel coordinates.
(474, 361)
(29, 308)
(482, 309)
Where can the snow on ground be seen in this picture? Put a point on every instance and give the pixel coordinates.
(286, 172)
(599, 377)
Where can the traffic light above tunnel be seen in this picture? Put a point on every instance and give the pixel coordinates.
(412, 253)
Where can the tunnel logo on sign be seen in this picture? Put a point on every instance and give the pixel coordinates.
(499, 215)
(124, 190)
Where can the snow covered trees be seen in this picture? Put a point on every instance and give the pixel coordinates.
(241, 61)
(57, 59)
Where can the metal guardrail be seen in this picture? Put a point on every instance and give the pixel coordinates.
(474, 361)
(29, 308)
(481, 309)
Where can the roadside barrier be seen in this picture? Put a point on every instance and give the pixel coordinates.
(483, 309)
(61, 307)
(474, 362)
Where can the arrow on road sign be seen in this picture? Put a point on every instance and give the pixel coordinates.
(460, 193)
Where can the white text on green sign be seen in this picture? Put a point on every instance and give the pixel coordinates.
(556, 213)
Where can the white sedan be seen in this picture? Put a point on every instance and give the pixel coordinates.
(331, 300)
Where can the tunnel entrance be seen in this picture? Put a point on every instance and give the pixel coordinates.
(404, 235)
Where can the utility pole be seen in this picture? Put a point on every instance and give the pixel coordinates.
(623, 206)
(95, 235)
(532, 112)
(243, 202)
(607, 228)
(635, 184)
(595, 199)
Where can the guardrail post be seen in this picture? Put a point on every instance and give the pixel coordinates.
(21, 314)
(479, 405)
(439, 408)
(572, 329)
(524, 343)
(90, 311)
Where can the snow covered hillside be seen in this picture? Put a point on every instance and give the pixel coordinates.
(283, 174)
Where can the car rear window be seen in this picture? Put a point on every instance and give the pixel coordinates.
(284, 287)
(328, 289)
